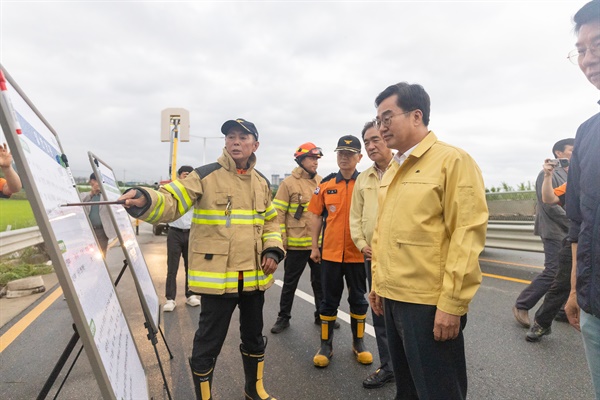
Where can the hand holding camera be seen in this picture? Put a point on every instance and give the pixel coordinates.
(550, 164)
(559, 162)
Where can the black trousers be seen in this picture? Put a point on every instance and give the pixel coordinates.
(294, 264)
(102, 239)
(559, 291)
(380, 332)
(424, 369)
(215, 316)
(538, 287)
(177, 246)
(332, 279)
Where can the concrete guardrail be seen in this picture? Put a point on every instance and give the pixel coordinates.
(512, 235)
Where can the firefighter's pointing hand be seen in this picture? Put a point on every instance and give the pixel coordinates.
(133, 198)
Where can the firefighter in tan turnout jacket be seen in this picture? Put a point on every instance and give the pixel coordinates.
(235, 246)
(291, 202)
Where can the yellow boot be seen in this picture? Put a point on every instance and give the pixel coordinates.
(202, 382)
(253, 370)
(321, 359)
(357, 324)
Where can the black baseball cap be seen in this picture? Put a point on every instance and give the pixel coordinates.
(93, 176)
(245, 125)
(349, 143)
(184, 168)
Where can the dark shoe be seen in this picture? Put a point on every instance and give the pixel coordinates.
(561, 316)
(378, 378)
(536, 333)
(280, 325)
(318, 322)
(522, 317)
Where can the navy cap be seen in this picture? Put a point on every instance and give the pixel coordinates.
(245, 125)
(349, 143)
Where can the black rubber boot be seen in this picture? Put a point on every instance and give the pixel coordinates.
(253, 371)
(357, 323)
(321, 359)
(202, 382)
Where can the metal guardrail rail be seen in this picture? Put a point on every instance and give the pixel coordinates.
(512, 235)
(11, 241)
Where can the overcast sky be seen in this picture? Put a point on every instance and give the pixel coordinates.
(101, 72)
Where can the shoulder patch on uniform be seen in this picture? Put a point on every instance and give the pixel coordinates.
(329, 177)
(264, 177)
(207, 169)
(318, 189)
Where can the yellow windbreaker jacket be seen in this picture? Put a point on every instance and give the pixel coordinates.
(234, 224)
(363, 210)
(295, 190)
(431, 228)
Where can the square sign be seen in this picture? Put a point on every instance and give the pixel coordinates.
(171, 117)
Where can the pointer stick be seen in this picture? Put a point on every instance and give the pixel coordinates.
(94, 203)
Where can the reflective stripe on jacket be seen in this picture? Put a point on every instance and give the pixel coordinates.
(233, 224)
(295, 190)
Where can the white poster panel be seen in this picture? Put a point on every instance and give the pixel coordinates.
(82, 272)
(125, 231)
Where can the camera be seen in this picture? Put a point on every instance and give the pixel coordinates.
(560, 162)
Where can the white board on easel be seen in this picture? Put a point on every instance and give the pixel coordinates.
(131, 249)
(71, 244)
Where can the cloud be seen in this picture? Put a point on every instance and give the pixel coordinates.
(102, 72)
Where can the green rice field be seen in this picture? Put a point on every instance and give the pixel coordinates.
(16, 213)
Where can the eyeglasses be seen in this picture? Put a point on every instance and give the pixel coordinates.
(577, 55)
(387, 120)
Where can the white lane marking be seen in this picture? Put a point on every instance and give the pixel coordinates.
(340, 315)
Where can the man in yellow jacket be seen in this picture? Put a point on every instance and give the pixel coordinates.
(429, 234)
(234, 248)
(291, 202)
(363, 215)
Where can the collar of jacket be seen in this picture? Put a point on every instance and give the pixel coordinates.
(227, 162)
(300, 173)
(339, 177)
(424, 145)
(373, 170)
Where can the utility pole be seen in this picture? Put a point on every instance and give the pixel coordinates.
(204, 145)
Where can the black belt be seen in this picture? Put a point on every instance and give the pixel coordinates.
(179, 230)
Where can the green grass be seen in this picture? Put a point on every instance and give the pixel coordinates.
(27, 262)
(10, 273)
(16, 213)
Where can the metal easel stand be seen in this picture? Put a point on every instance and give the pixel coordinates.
(75, 338)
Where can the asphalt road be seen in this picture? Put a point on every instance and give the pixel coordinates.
(501, 364)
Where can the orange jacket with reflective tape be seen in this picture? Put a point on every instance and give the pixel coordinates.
(332, 200)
